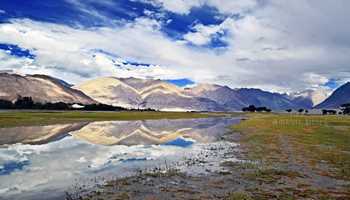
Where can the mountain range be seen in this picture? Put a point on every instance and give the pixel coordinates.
(41, 88)
(158, 94)
(236, 99)
(337, 98)
(144, 93)
(161, 95)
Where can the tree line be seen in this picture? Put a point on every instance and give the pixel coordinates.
(301, 110)
(252, 108)
(28, 103)
(344, 110)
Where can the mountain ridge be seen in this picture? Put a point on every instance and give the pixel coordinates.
(41, 88)
(340, 96)
(139, 93)
(144, 93)
(162, 95)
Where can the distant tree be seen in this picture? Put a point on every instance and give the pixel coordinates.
(332, 112)
(345, 108)
(289, 110)
(102, 107)
(37, 106)
(261, 109)
(300, 110)
(329, 112)
(4, 104)
(28, 103)
(250, 108)
(55, 106)
(24, 103)
(150, 110)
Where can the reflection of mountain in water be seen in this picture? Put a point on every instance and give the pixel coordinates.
(46, 171)
(37, 134)
(152, 131)
(121, 132)
(124, 133)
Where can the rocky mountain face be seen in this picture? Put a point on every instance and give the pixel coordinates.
(161, 95)
(235, 99)
(41, 88)
(302, 101)
(228, 98)
(274, 101)
(338, 97)
(145, 93)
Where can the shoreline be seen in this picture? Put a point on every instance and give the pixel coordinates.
(40, 118)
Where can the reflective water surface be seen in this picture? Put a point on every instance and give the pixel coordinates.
(43, 162)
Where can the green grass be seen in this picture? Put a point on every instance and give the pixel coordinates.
(239, 196)
(318, 139)
(17, 118)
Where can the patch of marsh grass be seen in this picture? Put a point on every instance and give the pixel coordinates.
(25, 118)
(277, 137)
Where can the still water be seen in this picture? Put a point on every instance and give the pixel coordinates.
(44, 162)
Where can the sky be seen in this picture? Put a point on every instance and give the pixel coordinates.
(281, 46)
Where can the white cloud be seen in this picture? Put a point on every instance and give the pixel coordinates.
(224, 6)
(9, 62)
(233, 6)
(202, 35)
(177, 6)
(267, 48)
(315, 80)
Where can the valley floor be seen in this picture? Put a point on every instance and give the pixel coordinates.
(35, 118)
(281, 157)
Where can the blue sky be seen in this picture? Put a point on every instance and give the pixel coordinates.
(240, 43)
(112, 13)
(181, 82)
(17, 51)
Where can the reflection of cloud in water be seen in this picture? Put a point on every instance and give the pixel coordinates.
(9, 167)
(181, 142)
(48, 168)
(152, 131)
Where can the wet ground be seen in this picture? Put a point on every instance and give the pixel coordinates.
(289, 177)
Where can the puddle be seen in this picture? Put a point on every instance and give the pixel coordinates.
(44, 162)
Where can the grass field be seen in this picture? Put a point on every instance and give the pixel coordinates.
(315, 140)
(20, 118)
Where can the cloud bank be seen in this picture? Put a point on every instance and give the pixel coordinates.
(289, 46)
